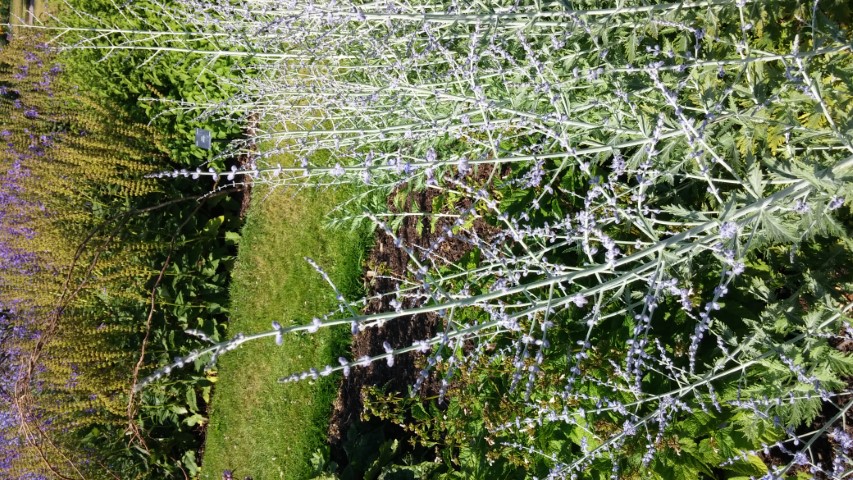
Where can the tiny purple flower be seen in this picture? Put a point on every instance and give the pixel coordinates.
(337, 171)
(728, 230)
(836, 202)
(801, 207)
(800, 458)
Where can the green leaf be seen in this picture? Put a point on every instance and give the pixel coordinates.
(387, 451)
(756, 179)
(232, 238)
(196, 419)
(776, 230)
(752, 466)
(190, 463)
(419, 412)
(211, 229)
(683, 214)
(802, 411)
(191, 400)
(409, 472)
(841, 362)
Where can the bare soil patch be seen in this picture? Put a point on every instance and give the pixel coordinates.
(394, 264)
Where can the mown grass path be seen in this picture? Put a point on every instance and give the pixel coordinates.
(258, 427)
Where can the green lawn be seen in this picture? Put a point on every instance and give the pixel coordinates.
(258, 427)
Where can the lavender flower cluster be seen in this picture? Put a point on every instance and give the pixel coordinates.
(27, 137)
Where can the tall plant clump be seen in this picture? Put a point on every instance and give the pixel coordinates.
(73, 170)
(662, 288)
(146, 83)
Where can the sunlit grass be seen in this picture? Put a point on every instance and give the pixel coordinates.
(257, 426)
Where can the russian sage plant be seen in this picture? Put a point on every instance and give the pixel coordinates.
(663, 289)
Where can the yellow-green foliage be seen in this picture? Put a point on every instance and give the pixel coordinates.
(85, 162)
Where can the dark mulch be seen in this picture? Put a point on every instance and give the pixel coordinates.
(246, 162)
(386, 264)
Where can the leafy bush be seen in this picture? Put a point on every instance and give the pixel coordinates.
(151, 85)
(84, 235)
(55, 155)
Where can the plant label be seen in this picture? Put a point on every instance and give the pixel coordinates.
(202, 138)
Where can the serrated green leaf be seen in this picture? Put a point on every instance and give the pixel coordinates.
(776, 230)
(841, 362)
(682, 213)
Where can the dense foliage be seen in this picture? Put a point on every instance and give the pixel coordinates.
(87, 241)
(652, 199)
